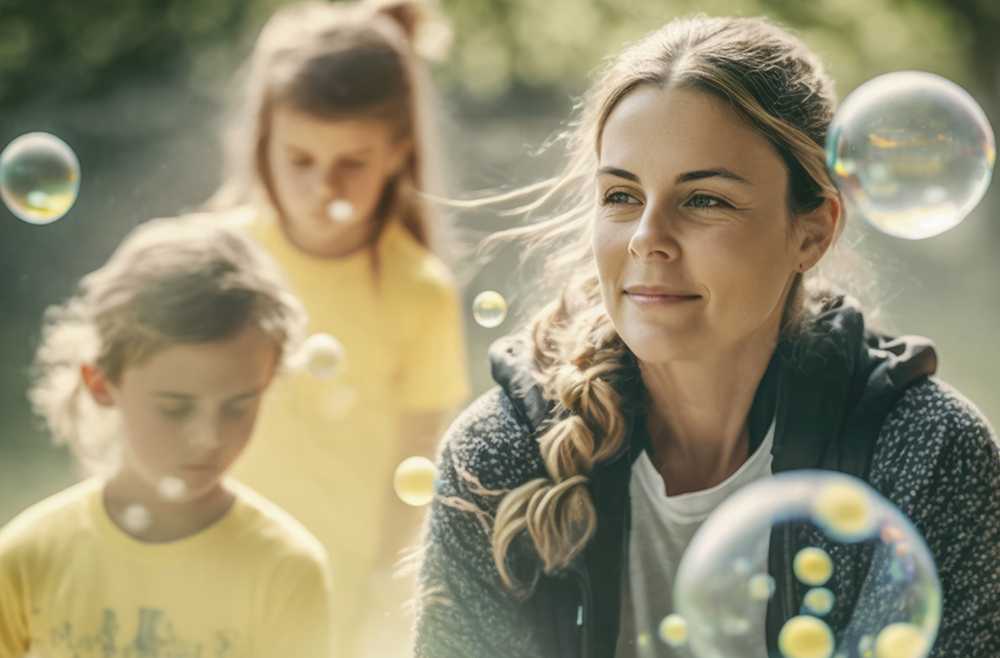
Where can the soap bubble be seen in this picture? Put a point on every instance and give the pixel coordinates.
(673, 630)
(414, 481)
(136, 519)
(323, 356)
(340, 211)
(912, 151)
(489, 309)
(818, 601)
(171, 488)
(825, 528)
(812, 566)
(805, 637)
(39, 177)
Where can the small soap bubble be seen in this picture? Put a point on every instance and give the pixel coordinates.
(900, 640)
(805, 637)
(818, 517)
(673, 630)
(413, 481)
(813, 566)
(489, 309)
(323, 356)
(761, 586)
(39, 177)
(171, 488)
(643, 640)
(843, 509)
(818, 601)
(340, 211)
(912, 151)
(136, 519)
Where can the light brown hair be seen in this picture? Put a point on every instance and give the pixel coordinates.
(170, 282)
(343, 60)
(780, 89)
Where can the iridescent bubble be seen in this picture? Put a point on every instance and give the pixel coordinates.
(39, 177)
(713, 593)
(900, 640)
(673, 630)
(323, 356)
(805, 637)
(340, 211)
(413, 481)
(136, 519)
(489, 309)
(761, 587)
(818, 601)
(812, 566)
(912, 151)
(171, 488)
(844, 511)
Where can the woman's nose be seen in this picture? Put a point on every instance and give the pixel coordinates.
(655, 235)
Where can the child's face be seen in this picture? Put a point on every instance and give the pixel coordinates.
(314, 161)
(189, 410)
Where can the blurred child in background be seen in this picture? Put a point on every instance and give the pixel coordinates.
(153, 375)
(328, 159)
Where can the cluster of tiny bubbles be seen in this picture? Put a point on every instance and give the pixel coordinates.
(340, 211)
(912, 151)
(171, 488)
(39, 177)
(322, 355)
(136, 519)
(834, 522)
(489, 309)
(415, 481)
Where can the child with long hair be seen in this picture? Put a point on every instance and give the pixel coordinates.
(153, 375)
(328, 159)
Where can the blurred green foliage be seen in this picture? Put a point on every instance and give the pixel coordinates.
(68, 47)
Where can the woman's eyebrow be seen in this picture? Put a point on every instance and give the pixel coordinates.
(620, 173)
(710, 173)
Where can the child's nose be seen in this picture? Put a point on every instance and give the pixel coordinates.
(204, 436)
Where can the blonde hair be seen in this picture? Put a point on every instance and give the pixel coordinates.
(780, 89)
(170, 282)
(340, 61)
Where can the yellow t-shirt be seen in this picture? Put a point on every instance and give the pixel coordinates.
(324, 450)
(73, 585)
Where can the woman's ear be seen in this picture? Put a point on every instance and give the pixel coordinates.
(815, 232)
(97, 384)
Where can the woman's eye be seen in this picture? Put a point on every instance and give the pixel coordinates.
(353, 164)
(705, 201)
(301, 163)
(619, 198)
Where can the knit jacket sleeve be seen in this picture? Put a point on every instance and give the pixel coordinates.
(937, 460)
(462, 607)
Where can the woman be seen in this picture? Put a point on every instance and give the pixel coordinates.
(697, 348)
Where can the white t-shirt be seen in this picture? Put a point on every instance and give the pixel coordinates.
(662, 527)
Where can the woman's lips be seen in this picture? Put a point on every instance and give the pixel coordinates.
(658, 296)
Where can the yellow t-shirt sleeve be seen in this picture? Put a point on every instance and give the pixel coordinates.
(14, 636)
(434, 375)
(298, 616)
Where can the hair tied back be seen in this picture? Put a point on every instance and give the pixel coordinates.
(421, 22)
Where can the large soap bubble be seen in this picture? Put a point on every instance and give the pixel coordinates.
(912, 151)
(39, 177)
(837, 537)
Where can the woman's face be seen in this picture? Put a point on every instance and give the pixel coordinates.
(314, 161)
(692, 236)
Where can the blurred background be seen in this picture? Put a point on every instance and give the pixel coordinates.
(140, 89)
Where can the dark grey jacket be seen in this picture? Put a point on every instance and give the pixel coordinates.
(856, 402)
